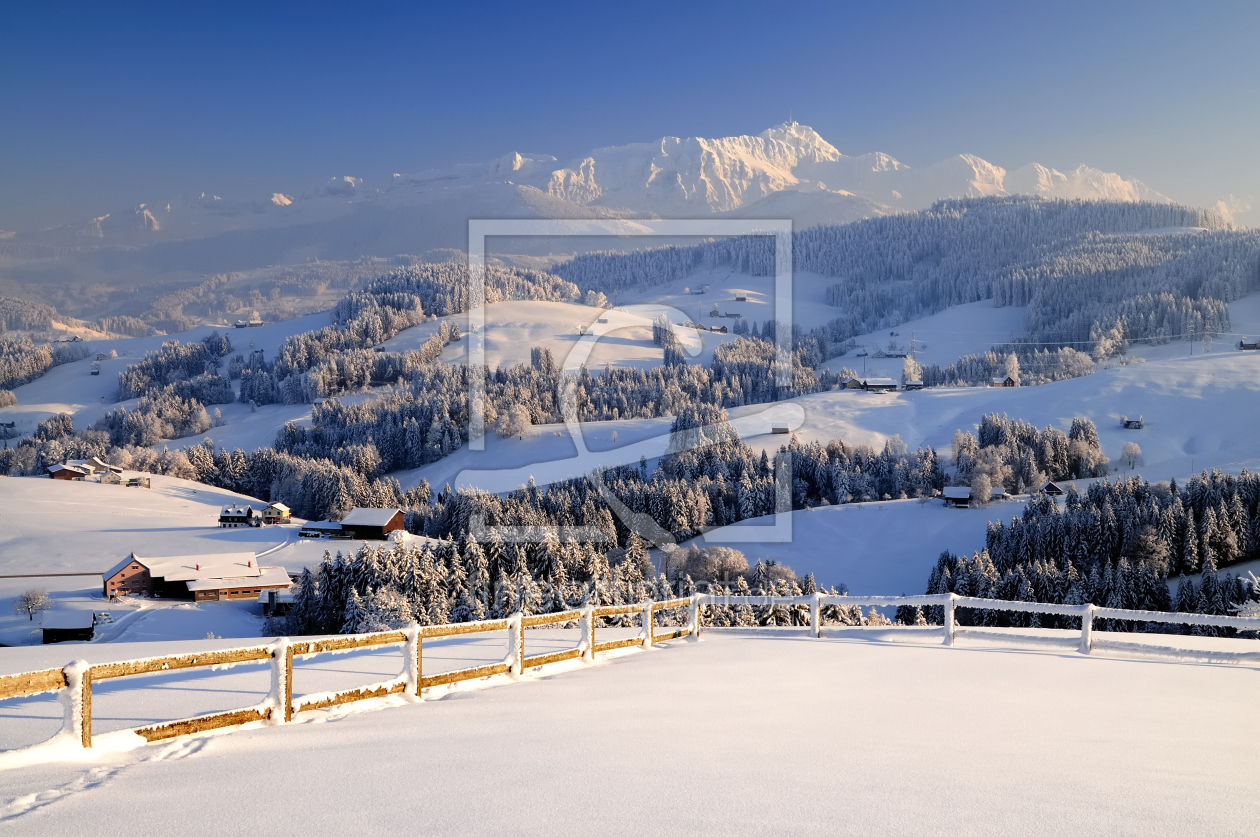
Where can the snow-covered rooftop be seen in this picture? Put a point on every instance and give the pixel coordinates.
(266, 577)
(368, 517)
(192, 567)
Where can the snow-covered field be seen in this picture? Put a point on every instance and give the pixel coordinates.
(761, 733)
(874, 548)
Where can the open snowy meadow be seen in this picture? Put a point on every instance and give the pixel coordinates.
(759, 732)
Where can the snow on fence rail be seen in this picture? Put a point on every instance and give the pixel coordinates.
(76, 679)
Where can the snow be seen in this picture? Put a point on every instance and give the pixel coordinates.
(55, 526)
(884, 548)
(898, 736)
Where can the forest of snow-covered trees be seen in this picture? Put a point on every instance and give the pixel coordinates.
(1087, 283)
(22, 361)
(1116, 545)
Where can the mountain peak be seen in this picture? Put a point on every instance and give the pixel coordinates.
(808, 144)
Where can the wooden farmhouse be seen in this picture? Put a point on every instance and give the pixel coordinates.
(372, 524)
(238, 517)
(957, 496)
(1053, 490)
(912, 385)
(110, 478)
(202, 578)
(276, 513)
(68, 472)
(1008, 381)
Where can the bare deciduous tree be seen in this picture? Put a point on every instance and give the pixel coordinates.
(31, 601)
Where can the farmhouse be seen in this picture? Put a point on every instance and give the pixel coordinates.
(854, 383)
(276, 513)
(372, 524)
(238, 517)
(1053, 490)
(1008, 381)
(997, 492)
(110, 478)
(957, 496)
(68, 472)
(880, 385)
(69, 626)
(912, 385)
(229, 575)
(1249, 347)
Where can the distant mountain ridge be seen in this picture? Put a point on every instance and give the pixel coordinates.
(788, 171)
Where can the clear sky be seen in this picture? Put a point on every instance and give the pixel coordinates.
(106, 105)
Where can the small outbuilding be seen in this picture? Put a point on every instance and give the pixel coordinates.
(912, 385)
(69, 626)
(997, 492)
(1132, 424)
(1249, 347)
(957, 496)
(1050, 488)
(372, 524)
(110, 478)
(1008, 381)
(323, 529)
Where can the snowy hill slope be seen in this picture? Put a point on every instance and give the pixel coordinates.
(1036, 731)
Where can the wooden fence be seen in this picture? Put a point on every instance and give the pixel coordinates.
(280, 706)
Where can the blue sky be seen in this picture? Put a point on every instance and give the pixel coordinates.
(103, 107)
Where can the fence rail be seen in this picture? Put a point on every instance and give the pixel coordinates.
(280, 705)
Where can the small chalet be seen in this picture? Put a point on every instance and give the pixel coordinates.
(881, 385)
(202, 578)
(110, 478)
(68, 472)
(68, 626)
(1053, 490)
(912, 385)
(1008, 381)
(854, 383)
(997, 492)
(372, 524)
(957, 496)
(1249, 347)
(779, 430)
(1131, 424)
(276, 513)
(238, 517)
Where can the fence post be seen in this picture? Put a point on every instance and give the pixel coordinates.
(815, 614)
(693, 615)
(78, 701)
(282, 681)
(949, 619)
(1087, 629)
(516, 642)
(412, 650)
(588, 633)
(647, 624)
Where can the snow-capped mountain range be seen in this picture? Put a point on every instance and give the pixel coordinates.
(788, 171)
